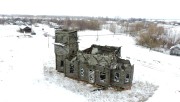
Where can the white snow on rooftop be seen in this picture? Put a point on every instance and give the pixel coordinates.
(178, 46)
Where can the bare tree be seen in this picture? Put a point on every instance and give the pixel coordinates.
(152, 37)
(112, 28)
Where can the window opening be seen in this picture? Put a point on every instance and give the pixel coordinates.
(91, 76)
(116, 77)
(102, 76)
(123, 67)
(82, 72)
(62, 63)
(71, 68)
(73, 52)
(127, 78)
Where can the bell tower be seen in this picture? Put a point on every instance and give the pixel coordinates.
(66, 47)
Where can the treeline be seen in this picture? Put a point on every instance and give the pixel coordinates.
(81, 24)
(147, 33)
(2, 21)
(84, 23)
(151, 35)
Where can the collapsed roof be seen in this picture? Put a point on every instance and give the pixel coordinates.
(103, 50)
(101, 55)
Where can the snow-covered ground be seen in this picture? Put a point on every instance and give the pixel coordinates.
(157, 68)
(21, 71)
(27, 70)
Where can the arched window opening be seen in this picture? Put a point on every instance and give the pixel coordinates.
(71, 68)
(82, 72)
(127, 79)
(62, 63)
(102, 76)
(91, 76)
(116, 77)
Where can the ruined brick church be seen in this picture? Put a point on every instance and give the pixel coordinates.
(97, 65)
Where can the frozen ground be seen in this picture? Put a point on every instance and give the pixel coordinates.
(27, 70)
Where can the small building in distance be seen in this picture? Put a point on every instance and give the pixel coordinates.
(25, 29)
(175, 50)
(97, 65)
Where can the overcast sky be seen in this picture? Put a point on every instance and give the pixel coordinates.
(161, 9)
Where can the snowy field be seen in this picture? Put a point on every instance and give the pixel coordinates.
(27, 70)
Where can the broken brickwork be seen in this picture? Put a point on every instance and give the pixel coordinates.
(98, 65)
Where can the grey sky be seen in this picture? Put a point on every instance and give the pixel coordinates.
(162, 9)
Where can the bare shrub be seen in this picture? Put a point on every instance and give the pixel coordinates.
(81, 24)
(139, 26)
(2, 20)
(152, 37)
(135, 28)
(113, 28)
(170, 38)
